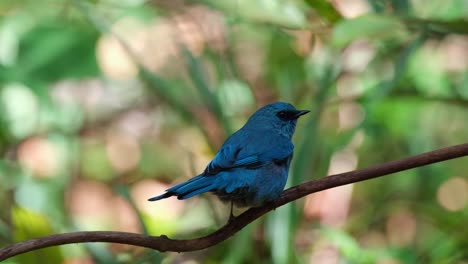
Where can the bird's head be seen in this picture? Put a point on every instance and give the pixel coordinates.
(278, 116)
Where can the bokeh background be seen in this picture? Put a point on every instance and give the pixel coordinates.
(105, 103)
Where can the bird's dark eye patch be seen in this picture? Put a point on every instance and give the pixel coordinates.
(286, 115)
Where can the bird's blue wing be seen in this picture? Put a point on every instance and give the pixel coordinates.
(247, 154)
(228, 158)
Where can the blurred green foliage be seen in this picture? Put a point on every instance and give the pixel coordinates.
(105, 103)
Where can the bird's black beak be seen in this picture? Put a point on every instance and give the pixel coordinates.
(301, 113)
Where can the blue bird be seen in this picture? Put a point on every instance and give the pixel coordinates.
(252, 165)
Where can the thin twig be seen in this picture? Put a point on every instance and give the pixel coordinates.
(163, 243)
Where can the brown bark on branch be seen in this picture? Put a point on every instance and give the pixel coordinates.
(163, 243)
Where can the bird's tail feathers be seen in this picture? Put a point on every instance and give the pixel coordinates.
(159, 197)
(197, 185)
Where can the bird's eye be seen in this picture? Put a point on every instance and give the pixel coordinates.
(282, 114)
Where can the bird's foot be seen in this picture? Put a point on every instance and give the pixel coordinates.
(231, 218)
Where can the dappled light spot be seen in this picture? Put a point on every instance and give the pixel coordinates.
(93, 205)
(79, 260)
(40, 156)
(357, 140)
(235, 96)
(325, 255)
(19, 108)
(357, 56)
(348, 86)
(373, 239)
(453, 194)
(112, 57)
(94, 162)
(335, 205)
(140, 124)
(303, 41)
(123, 151)
(90, 204)
(332, 206)
(94, 99)
(125, 217)
(401, 228)
(343, 161)
(388, 260)
(251, 61)
(312, 206)
(157, 45)
(350, 115)
(209, 121)
(352, 8)
(455, 50)
(196, 153)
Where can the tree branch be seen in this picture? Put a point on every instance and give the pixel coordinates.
(163, 243)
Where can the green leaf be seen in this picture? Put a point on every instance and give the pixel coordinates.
(350, 249)
(326, 10)
(198, 76)
(54, 51)
(19, 107)
(281, 226)
(166, 90)
(284, 13)
(427, 72)
(401, 6)
(31, 225)
(237, 253)
(439, 27)
(371, 27)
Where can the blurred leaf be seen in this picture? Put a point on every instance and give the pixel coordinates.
(371, 27)
(10, 175)
(237, 253)
(400, 68)
(159, 160)
(159, 226)
(100, 253)
(20, 107)
(286, 68)
(462, 89)
(234, 96)
(378, 6)
(325, 77)
(350, 248)
(443, 10)
(124, 191)
(53, 51)
(326, 10)
(427, 72)
(4, 231)
(30, 225)
(42, 195)
(95, 163)
(402, 7)
(166, 90)
(199, 78)
(286, 13)
(392, 117)
(439, 27)
(281, 229)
